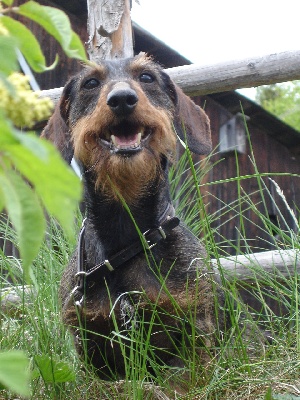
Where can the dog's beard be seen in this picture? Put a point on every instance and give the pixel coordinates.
(127, 178)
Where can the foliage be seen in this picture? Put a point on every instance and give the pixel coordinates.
(24, 158)
(14, 372)
(282, 100)
(33, 178)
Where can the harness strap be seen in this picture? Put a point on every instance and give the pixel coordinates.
(148, 240)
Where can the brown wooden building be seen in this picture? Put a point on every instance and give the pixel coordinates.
(274, 145)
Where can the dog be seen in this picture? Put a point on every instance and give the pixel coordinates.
(135, 258)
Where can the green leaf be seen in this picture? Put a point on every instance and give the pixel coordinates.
(7, 2)
(9, 60)
(14, 372)
(57, 24)
(27, 44)
(53, 371)
(26, 215)
(7, 136)
(31, 142)
(54, 181)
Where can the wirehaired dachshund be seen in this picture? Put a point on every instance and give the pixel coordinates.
(136, 264)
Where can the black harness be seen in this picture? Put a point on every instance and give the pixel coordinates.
(146, 242)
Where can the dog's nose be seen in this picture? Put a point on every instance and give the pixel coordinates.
(122, 99)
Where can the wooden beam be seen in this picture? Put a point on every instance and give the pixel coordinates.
(196, 80)
(109, 29)
(249, 72)
(280, 264)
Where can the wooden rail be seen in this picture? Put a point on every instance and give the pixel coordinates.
(198, 80)
(280, 263)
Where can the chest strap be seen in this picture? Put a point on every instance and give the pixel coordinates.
(146, 242)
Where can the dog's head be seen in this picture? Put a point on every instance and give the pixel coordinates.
(118, 120)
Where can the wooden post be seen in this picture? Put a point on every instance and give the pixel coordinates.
(109, 29)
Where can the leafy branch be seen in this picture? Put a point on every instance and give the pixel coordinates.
(33, 177)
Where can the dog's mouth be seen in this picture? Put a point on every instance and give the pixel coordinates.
(125, 139)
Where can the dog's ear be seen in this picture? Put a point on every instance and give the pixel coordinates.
(57, 130)
(191, 124)
(190, 121)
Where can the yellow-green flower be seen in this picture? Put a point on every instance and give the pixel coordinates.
(23, 107)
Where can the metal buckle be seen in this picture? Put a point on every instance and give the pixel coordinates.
(78, 303)
(73, 291)
(108, 265)
(162, 234)
(79, 286)
(147, 245)
(80, 275)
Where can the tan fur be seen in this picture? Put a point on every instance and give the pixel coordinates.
(119, 175)
(142, 62)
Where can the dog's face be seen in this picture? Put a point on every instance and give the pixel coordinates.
(118, 120)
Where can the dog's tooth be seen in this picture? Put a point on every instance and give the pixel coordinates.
(139, 137)
(114, 142)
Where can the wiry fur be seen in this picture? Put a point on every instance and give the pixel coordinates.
(118, 175)
(84, 124)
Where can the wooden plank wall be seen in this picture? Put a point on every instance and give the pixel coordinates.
(270, 156)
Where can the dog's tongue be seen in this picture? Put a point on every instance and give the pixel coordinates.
(125, 141)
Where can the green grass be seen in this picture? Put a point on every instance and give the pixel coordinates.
(242, 365)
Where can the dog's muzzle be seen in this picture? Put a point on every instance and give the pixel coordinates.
(124, 138)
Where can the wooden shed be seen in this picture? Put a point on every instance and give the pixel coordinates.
(269, 147)
(274, 145)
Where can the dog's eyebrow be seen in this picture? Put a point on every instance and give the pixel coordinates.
(100, 70)
(141, 63)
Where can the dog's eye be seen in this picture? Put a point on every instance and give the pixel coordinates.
(91, 83)
(146, 78)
